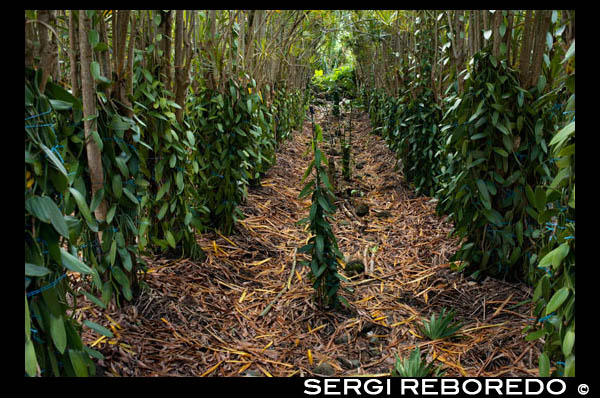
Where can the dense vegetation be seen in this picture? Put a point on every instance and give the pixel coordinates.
(146, 128)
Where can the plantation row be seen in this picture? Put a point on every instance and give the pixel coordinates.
(149, 127)
(167, 175)
(499, 154)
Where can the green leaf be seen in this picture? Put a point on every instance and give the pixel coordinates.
(323, 202)
(94, 299)
(112, 254)
(35, 270)
(502, 29)
(190, 137)
(319, 245)
(54, 160)
(536, 335)
(163, 210)
(501, 152)
(307, 189)
(540, 198)
(98, 328)
(111, 214)
(84, 209)
(555, 257)
(78, 363)
(560, 137)
(73, 263)
(97, 199)
(570, 52)
(541, 83)
(95, 70)
(47, 211)
(120, 276)
(179, 181)
(485, 196)
(170, 239)
(57, 330)
(31, 363)
(568, 343)
(544, 363)
(557, 300)
(59, 105)
(163, 189)
(93, 353)
(131, 196)
(93, 37)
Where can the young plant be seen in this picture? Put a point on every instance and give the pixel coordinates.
(415, 367)
(439, 328)
(322, 245)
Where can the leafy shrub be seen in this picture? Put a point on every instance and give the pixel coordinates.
(322, 245)
(60, 234)
(496, 148)
(414, 366)
(440, 327)
(341, 80)
(554, 293)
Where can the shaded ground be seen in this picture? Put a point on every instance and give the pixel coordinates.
(204, 319)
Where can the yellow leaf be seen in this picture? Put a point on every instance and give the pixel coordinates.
(246, 366)
(211, 369)
(267, 346)
(112, 321)
(249, 90)
(310, 357)
(243, 296)
(264, 371)
(101, 338)
(414, 334)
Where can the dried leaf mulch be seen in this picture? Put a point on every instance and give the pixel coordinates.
(247, 310)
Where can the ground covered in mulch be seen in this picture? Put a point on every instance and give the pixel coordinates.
(247, 310)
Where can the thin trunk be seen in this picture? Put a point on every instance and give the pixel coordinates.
(29, 39)
(165, 29)
(73, 54)
(130, 56)
(496, 21)
(48, 47)
(183, 59)
(122, 41)
(485, 14)
(543, 19)
(89, 111)
(526, 44)
(508, 34)
(104, 56)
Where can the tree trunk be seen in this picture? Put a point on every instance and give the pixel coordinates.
(526, 44)
(73, 52)
(543, 19)
(165, 29)
(89, 110)
(496, 21)
(508, 35)
(48, 47)
(104, 56)
(29, 39)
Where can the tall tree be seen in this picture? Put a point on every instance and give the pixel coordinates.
(88, 91)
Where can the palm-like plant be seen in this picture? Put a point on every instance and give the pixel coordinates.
(415, 367)
(439, 328)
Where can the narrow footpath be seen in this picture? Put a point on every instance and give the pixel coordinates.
(247, 310)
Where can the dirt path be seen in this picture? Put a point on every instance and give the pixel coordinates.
(205, 319)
